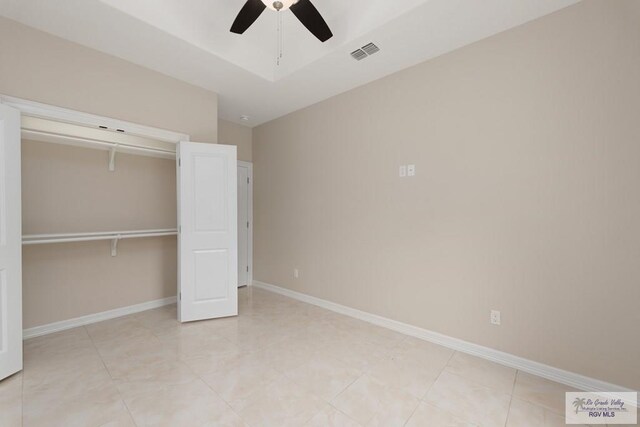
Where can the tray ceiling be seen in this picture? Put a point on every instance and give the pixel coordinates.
(190, 40)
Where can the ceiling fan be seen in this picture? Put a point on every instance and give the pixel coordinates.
(304, 10)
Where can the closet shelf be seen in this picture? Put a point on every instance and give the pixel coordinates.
(77, 140)
(114, 141)
(114, 236)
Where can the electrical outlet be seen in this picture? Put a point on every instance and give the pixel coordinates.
(403, 171)
(411, 170)
(495, 317)
(296, 273)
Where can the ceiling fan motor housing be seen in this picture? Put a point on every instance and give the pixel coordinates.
(278, 5)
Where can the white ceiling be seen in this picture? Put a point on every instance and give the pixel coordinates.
(190, 40)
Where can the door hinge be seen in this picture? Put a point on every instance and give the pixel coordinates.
(179, 162)
(180, 296)
(247, 268)
(247, 180)
(247, 224)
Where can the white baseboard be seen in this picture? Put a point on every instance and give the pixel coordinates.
(94, 318)
(561, 376)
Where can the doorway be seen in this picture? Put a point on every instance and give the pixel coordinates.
(245, 223)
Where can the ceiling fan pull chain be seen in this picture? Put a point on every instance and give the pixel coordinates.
(278, 38)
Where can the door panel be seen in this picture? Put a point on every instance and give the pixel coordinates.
(209, 177)
(207, 214)
(211, 275)
(10, 244)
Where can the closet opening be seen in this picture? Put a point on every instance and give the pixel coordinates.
(99, 222)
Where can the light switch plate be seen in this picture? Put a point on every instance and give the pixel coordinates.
(403, 171)
(411, 170)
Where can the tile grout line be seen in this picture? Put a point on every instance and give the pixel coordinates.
(222, 397)
(110, 375)
(341, 412)
(513, 389)
(424, 398)
(412, 413)
(362, 373)
(367, 372)
(344, 389)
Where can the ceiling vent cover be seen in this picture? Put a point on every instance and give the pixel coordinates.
(366, 50)
(370, 48)
(358, 54)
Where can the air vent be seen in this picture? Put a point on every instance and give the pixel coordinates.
(358, 54)
(364, 51)
(370, 48)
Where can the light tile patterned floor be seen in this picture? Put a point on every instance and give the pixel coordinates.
(280, 363)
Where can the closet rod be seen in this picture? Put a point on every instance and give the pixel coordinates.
(34, 239)
(111, 145)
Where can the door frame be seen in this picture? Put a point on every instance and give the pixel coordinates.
(249, 166)
(52, 112)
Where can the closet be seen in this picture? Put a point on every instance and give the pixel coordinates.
(122, 189)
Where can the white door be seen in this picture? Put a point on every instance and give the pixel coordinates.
(244, 223)
(10, 244)
(208, 236)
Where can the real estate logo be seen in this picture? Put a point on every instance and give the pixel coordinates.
(601, 408)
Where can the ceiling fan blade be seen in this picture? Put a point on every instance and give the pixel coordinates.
(307, 13)
(247, 16)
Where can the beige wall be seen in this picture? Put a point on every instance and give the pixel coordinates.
(233, 134)
(69, 189)
(40, 67)
(526, 196)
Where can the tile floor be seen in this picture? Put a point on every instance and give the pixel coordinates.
(280, 363)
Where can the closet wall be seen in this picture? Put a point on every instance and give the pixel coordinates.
(69, 189)
(71, 280)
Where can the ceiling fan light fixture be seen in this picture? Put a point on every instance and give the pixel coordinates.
(279, 4)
